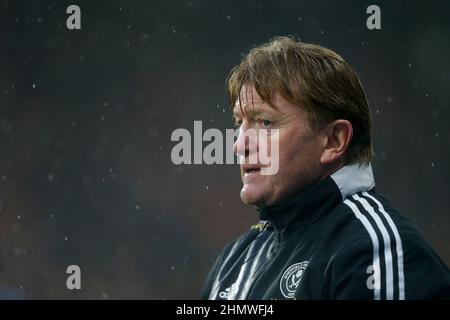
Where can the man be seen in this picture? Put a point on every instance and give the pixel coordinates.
(324, 232)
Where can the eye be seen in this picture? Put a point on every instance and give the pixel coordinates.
(266, 123)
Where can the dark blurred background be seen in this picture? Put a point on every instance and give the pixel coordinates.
(86, 116)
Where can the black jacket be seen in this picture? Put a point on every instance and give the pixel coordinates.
(337, 240)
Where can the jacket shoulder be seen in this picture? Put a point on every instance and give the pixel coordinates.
(369, 212)
(381, 239)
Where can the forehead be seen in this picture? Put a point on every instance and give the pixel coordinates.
(249, 95)
(249, 101)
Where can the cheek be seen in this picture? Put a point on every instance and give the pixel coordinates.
(297, 154)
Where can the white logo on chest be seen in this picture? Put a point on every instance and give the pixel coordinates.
(291, 279)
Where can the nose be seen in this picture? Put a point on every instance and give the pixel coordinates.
(245, 144)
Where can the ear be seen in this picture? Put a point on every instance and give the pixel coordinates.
(337, 137)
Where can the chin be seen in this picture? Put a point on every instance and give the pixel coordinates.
(252, 196)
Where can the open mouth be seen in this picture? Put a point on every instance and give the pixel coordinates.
(251, 170)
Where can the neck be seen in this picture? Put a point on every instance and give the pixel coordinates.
(331, 168)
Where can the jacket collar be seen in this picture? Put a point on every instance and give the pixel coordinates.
(321, 197)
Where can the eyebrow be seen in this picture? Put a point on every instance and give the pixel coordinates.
(251, 111)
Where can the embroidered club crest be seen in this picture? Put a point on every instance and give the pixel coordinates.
(291, 279)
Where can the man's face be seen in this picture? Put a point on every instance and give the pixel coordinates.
(299, 149)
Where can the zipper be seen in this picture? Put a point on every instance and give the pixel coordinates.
(268, 263)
